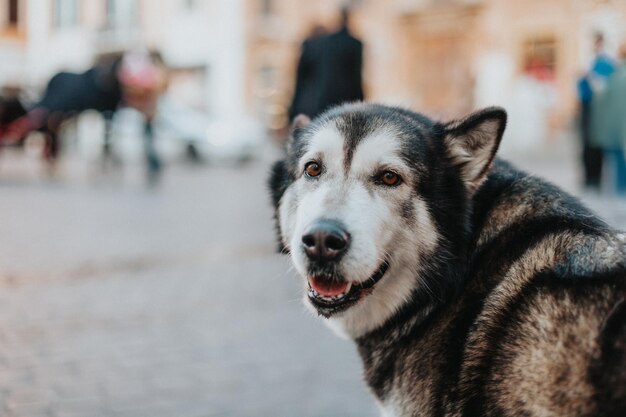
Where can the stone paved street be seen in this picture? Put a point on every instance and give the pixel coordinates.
(117, 300)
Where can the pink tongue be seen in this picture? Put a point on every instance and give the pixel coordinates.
(328, 288)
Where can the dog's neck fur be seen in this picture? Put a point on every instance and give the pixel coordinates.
(385, 311)
(377, 311)
(379, 320)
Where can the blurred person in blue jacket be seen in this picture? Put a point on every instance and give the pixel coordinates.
(609, 121)
(592, 83)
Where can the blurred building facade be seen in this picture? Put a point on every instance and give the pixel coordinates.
(230, 57)
(40, 37)
(445, 57)
(202, 41)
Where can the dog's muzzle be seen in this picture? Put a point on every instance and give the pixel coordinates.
(332, 294)
(325, 241)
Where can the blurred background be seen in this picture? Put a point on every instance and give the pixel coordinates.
(138, 274)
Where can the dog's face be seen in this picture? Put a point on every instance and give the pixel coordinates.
(360, 202)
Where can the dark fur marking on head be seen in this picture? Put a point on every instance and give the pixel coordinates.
(357, 120)
(353, 127)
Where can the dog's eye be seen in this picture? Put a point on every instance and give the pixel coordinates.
(390, 178)
(312, 169)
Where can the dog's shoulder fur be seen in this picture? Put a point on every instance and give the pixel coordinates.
(539, 327)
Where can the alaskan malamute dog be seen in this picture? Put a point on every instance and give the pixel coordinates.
(469, 287)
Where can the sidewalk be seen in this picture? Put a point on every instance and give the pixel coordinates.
(122, 301)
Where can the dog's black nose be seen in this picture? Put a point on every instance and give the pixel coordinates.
(325, 240)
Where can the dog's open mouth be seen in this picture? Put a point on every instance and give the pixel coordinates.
(331, 295)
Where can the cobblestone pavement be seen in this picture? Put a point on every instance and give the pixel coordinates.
(121, 301)
(116, 300)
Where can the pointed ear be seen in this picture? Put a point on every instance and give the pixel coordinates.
(277, 183)
(299, 122)
(473, 141)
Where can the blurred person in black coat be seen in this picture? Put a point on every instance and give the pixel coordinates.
(329, 71)
(307, 75)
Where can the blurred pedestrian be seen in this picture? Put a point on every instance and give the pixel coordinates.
(143, 79)
(592, 83)
(332, 65)
(307, 75)
(609, 121)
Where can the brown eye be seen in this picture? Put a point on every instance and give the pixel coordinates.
(313, 169)
(390, 178)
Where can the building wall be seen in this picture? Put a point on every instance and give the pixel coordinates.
(44, 47)
(443, 57)
(202, 40)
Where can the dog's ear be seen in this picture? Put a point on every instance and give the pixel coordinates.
(299, 123)
(280, 176)
(277, 183)
(301, 120)
(472, 143)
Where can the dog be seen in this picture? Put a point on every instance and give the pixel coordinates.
(469, 287)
